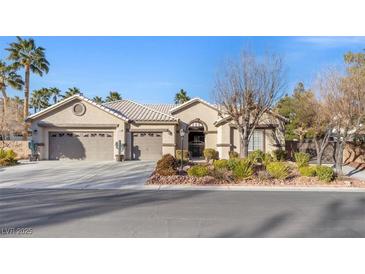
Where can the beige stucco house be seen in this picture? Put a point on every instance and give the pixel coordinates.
(78, 128)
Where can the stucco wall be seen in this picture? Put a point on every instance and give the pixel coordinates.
(228, 136)
(64, 116)
(207, 115)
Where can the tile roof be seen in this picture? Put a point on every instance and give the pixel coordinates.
(138, 112)
(164, 108)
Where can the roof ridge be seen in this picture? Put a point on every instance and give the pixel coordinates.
(165, 114)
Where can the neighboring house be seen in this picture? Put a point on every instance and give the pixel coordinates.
(78, 128)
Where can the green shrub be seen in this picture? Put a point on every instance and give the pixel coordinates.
(198, 171)
(220, 164)
(167, 165)
(2, 153)
(243, 169)
(218, 174)
(233, 154)
(256, 156)
(267, 159)
(185, 154)
(279, 155)
(210, 154)
(308, 171)
(278, 170)
(302, 159)
(325, 173)
(8, 157)
(232, 163)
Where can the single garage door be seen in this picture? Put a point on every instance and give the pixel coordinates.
(147, 146)
(81, 145)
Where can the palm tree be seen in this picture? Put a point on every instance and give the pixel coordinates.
(40, 99)
(98, 99)
(54, 94)
(70, 92)
(27, 55)
(181, 97)
(9, 77)
(113, 96)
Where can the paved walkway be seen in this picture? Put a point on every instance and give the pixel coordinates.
(77, 175)
(354, 173)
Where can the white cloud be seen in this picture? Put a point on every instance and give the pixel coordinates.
(333, 41)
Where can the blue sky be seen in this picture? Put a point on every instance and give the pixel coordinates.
(153, 69)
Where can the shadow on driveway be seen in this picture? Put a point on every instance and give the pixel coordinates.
(32, 208)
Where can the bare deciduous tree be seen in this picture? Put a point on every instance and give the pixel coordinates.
(12, 122)
(246, 89)
(344, 98)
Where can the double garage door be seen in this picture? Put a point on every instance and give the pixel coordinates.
(81, 145)
(146, 145)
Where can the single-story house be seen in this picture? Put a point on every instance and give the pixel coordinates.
(79, 128)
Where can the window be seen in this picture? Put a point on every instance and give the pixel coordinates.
(256, 141)
(93, 134)
(150, 134)
(69, 134)
(101, 135)
(108, 135)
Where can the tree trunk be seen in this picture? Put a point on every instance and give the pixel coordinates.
(319, 157)
(26, 101)
(339, 157)
(243, 132)
(5, 96)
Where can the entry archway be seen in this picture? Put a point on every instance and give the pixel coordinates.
(196, 138)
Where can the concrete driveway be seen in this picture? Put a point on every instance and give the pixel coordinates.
(77, 175)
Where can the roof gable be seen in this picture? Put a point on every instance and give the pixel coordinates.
(82, 98)
(191, 102)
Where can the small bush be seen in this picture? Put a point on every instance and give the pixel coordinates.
(167, 165)
(308, 171)
(185, 154)
(218, 174)
(220, 164)
(243, 169)
(233, 154)
(2, 153)
(210, 154)
(325, 173)
(279, 155)
(267, 159)
(198, 171)
(8, 157)
(263, 175)
(256, 156)
(278, 170)
(302, 159)
(232, 163)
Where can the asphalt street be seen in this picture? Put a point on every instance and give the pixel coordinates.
(178, 213)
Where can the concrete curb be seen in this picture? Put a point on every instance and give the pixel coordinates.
(253, 188)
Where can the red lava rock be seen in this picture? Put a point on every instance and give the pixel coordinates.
(209, 180)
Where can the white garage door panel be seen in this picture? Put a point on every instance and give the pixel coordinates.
(81, 145)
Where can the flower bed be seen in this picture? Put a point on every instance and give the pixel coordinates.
(251, 172)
